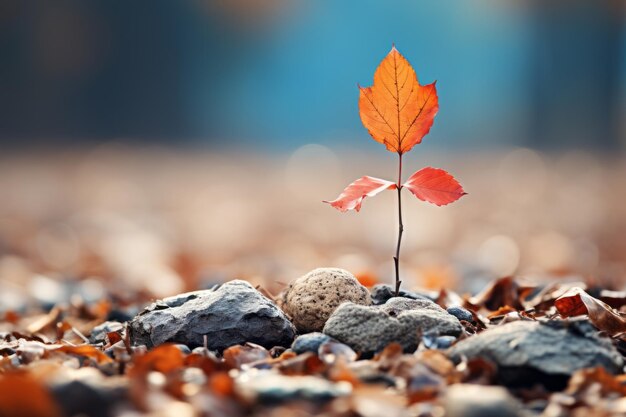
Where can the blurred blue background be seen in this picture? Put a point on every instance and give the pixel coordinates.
(276, 74)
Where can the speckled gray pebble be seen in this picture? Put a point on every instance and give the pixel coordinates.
(368, 329)
(312, 298)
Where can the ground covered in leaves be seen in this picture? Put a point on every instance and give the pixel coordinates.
(66, 362)
(98, 250)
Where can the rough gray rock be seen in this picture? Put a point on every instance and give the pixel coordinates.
(98, 333)
(527, 351)
(312, 298)
(368, 329)
(309, 342)
(469, 400)
(230, 314)
(383, 292)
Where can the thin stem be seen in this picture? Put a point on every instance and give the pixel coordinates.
(396, 259)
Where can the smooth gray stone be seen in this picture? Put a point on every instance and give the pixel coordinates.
(309, 342)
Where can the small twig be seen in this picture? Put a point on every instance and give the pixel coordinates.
(79, 334)
(265, 292)
(126, 339)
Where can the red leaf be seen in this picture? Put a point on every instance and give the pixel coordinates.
(353, 195)
(576, 302)
(435, 186)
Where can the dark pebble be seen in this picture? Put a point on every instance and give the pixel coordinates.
(309, 342)
(461, 313)
(381, 293)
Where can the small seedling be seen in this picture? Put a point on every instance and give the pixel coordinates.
(398, 112)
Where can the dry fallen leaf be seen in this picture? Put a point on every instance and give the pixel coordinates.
(239, 355)
(502, 292)
(86, 351)
(307, 363)
(165, 358)
(576, 302)
(221, 384)
(22, 395)
(544, 298)
(585, 379)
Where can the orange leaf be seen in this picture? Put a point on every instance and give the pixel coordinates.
(396, 110)
(238, 355)
(576, 302)
(435, 186)
(353, 195)
(367, 279)
(86, 351)
(164, 358)
(22, 395)
(221, 384)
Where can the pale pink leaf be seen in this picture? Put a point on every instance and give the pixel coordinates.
(352, 196)
(435, 186)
